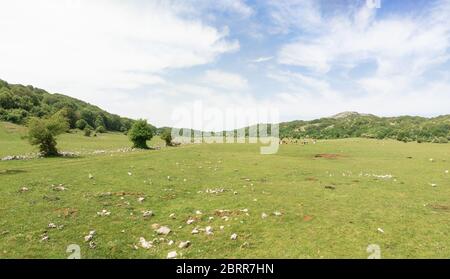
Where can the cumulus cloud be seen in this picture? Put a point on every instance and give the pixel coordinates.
(86, 46)
(225, 80)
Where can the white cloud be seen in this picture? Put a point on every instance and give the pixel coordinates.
(225, 80)
(83, 47)
(262, 59)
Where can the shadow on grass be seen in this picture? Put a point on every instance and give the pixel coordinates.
(11, 172)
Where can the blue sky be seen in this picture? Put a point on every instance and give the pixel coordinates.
(306, 58)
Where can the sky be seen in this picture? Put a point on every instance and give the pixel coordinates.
(305, 58)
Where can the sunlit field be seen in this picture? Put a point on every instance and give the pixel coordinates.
(331, 199)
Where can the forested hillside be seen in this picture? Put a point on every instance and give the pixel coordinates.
(19, 102)
(351, 124)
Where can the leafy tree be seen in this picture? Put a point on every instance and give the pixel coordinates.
(82, 124)
(140, 133)
(100, 129)
(166, 135)
(99, 121)
(42, 132)
(88, 131)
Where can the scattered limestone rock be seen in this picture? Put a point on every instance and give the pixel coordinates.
(104, 213)
(90, 236)
(195, 231)
(130, 174)
(52, 226)
(44, 237)
(155, 226)
(264, 215)
(184, 244)
(23, 190)
(172, 255)
(163, 230)
(147, 213)
(59, 188)
(234, 236)
(380, 230)
(198, 212)
(209, 230)
(190, 221)
(172, 216)
(222, 227)
(91, 176)
(170, 243)
(277, 213)
(141, 199)
(145, 244)
(92, 245)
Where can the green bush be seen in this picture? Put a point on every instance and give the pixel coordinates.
(166, 136)
(140, 133)
(81, 124)
(88, 131)
(100, 129)
(42, 132)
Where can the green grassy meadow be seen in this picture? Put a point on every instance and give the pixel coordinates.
(335, 197)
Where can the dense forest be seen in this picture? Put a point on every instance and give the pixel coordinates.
(352, 125)
(18, 103)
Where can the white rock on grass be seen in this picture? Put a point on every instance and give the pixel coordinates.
(156, 226)
(433, 185)
(59, 188)
(234, 236)
(23, 189)
(380, 230)
(130, 174)
(163, 230)
(198, 212)
(172, 216)
(145, 244)
(195, 231)
(45, 237)
(92, 245)
(147, 213)
(277, 213)
(264, 215)
(170, 243)
(52, 226)
(90, 236)
(446, 171)
(222, 227)
(209, 230)
(91, 176)
(104, 213)
(172, 255)
(190, 221)
(141, 199)
(184, 244)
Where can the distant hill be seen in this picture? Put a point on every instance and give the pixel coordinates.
(19, 102)
(353, 124)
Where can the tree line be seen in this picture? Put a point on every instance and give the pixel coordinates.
(19, 103)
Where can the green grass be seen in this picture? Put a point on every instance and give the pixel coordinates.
(316, 223)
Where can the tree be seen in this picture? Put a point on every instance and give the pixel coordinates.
(166, 135)
(140, 133)
(100, 129)
(88, 130)
(81, 124)
(42, 132)
(99, 121)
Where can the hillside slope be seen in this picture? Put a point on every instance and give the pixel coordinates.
(19, 102)
(351, 124)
